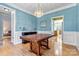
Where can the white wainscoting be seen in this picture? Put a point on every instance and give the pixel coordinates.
(17, 39)
(77, 37)
(45, 32)
(70, 38)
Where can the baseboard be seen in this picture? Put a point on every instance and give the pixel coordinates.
(69, 43)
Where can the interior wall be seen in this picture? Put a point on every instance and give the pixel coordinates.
(70, 21)
(77, 33)
(6, 23)
(24, 21)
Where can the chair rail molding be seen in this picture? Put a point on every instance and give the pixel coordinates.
(45, 32)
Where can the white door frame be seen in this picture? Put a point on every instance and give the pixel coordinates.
(13, 22)
(13, 25)
(53, 24)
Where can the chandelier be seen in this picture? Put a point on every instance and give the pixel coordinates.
(39, 11)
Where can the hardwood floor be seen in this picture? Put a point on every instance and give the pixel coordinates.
(69, 50)
(8, 49)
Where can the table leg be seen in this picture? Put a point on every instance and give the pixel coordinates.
(31, 46)
(47, 44)
(32, 50)
(39, 49)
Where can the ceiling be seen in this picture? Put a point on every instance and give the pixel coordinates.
(2, 10)
(31, 7)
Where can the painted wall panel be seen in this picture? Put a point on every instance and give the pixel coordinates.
(69, 19)
(25, 22)
(70, 24)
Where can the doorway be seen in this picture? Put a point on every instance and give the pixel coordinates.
(7, 24)
(57, 29)
(58, 26)
(6, 27)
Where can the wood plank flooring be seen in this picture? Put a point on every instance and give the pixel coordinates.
(8, 49)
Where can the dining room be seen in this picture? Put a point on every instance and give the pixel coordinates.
(45, 29)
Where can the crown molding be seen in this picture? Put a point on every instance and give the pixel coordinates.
(16, 7)
(55, 10)
(6, 7)
(62, 8)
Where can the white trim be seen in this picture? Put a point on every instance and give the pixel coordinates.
(62, 8)
(45, 32)
(77, 41)
(14, 36)
(53, 24)
(17, 39)
(74, 36)
(69, 37)
(55, 10)
(69, 43)
(13, 18)
(13, 23)
(20, 9)
(6, 7)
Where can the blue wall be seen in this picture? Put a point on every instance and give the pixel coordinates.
(70, 17)
(31, 23)
(47, 19)
(24, 21)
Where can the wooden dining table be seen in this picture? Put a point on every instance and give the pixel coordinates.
(37, 41)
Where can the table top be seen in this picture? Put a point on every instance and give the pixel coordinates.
(36, 37)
